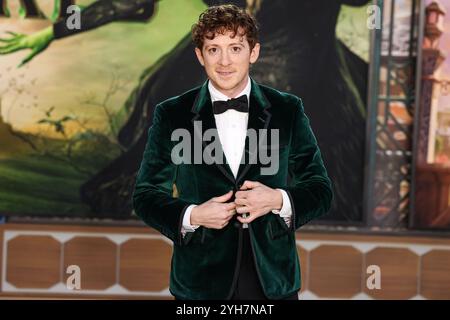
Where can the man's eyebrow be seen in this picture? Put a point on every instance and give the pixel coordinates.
(231, 44)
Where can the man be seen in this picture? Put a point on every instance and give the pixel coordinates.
(233, 224)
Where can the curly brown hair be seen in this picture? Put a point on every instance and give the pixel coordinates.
(221, 19)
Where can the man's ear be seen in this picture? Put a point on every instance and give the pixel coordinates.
(254, 54)
(199, 55)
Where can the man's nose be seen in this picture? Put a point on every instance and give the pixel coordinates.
(225, 59)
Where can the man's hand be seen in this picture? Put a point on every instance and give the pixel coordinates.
(256, 200)
(214, 213)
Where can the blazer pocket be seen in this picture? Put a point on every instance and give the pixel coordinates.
(202, 235)
(209, 235)
(278, 228)
(196, 237)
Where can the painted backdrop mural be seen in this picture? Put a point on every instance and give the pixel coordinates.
(76, 104)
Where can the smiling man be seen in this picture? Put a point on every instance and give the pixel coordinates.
(233, 227)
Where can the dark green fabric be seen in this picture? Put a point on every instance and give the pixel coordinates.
(204, 262)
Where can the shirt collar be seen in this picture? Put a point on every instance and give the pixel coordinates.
(216, 95)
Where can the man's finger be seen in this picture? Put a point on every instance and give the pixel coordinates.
(223, 198)
(230, 206)
(249, 185)
(241, 201)
(249, 219)
(241, 194)
(242, 209)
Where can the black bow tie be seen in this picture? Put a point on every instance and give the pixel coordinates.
(239, 104)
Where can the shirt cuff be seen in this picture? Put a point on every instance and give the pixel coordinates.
(187, 227)
(286, 208)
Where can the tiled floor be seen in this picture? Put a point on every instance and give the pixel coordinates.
(133, 262)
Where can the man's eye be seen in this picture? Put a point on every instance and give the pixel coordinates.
(236, 49)
(212, 50)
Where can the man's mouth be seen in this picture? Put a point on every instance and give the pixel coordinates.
(225, 73)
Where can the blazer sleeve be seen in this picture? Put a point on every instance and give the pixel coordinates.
(309, 189)
(152, 197)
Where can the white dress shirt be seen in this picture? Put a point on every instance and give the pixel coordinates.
(232, 130)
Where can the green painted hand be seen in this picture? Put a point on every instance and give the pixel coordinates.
(37, 42)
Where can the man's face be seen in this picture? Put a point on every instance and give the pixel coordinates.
(227, 61)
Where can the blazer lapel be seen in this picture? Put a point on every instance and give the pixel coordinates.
(258, 118)
(202, 109)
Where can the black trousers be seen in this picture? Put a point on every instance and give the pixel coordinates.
(248, 286)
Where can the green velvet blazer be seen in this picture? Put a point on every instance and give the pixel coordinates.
(205, 262)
